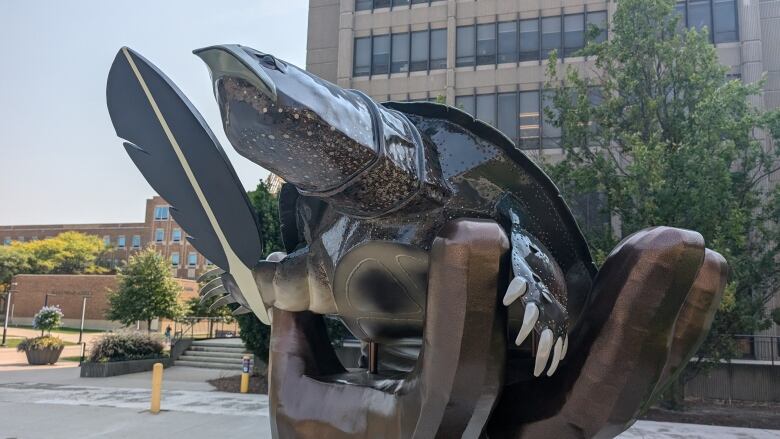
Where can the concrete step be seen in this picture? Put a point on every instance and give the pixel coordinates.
(237, 350)
(209, 365)
(236, 355)
(220, 343)
(215, 360)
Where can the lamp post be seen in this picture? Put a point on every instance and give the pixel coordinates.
(7, 310)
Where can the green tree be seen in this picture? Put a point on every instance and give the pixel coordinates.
(667, 138)
(147, 290)
(256, 335)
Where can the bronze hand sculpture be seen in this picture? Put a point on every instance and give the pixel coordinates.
(435, 241)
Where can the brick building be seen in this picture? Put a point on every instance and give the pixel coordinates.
(125, 239)
(32, 291)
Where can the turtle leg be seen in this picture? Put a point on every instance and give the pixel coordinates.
(538, 286)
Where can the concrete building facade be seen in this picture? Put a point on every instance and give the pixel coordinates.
(126, 239)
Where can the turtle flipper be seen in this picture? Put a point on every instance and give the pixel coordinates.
(179, 156)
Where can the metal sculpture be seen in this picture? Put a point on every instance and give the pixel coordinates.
(441, 246)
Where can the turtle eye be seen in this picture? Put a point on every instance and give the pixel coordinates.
(270, 62)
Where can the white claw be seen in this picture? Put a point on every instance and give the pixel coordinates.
(517, 289)
(543, 353)
(556, 357)
(276, 256)
(565, 346)
(529, 320)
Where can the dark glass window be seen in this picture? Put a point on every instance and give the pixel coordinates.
(120, 241)
(466, 103)
(136, 241)
(486, 44)
(725, 26)
(363, 5)
(599, 21)
(362, 66)
(679, 8)
(438, 49)
(414, 2)
(465, 46)
(486, 108)
(380, 60)
(529, 119)
(419, 51)
(400, 53)
(507, 115)
(529, 40)
(400, 3)
(551, 134)
(507, 42)
(551, 35)
(381, 4)
(699, 15)
(573, 34)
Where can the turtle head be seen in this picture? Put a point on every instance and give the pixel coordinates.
(308, 131)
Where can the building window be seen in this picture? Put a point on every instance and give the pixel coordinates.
(7, 241)
(380, 55)
(466, 103)
(20, 238)
(136, 242)
(367, 5)
(362, 64)
(486, 44)
(397, 3)
(364, 5)
(175, 259)
(573, 34)
(700, 15)
(529, 40)
(529, 119)
(550, 133)
(192, 259)
(419, 51)
(159, 235)
(725, 25)
(176, 235)
(551, 35)
(438, 49)
(107, 240)
(486, 108)
(120, 241)
(399, 53)
(465, 50)
(507, 42)
(507, 115)
(597, 20)
(161, 213)
(400, 57)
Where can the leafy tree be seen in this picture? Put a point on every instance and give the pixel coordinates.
(668, 139)
(66, 253)
(146, 290)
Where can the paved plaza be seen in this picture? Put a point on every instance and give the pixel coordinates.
(57, 403)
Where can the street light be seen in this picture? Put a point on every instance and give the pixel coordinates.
(7, 310)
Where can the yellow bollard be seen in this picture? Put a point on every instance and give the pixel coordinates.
(157, 376)
(245, 375)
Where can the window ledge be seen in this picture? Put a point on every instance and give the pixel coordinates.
(486, 67)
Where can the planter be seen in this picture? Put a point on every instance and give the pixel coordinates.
(38, 357)
(114, 368)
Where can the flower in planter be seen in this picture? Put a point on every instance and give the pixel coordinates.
(48, 318)
(40, 343)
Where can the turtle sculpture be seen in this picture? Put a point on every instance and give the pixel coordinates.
(439, 245)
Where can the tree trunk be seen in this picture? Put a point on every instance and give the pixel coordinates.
(149, 326)
(673, 397)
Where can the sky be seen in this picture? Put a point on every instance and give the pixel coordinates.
(60, 159)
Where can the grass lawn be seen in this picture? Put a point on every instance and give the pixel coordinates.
(76, 359)
(12, 342)
(63, 330)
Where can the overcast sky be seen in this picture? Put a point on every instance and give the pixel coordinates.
(60, 160)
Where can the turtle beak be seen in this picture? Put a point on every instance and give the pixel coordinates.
(231, 60)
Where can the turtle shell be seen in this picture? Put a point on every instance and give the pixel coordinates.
(474, 152)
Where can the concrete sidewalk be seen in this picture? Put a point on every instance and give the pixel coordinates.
(56, 403)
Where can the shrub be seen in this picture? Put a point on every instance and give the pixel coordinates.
(48, 318)
(125, 346)
(38, 343)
